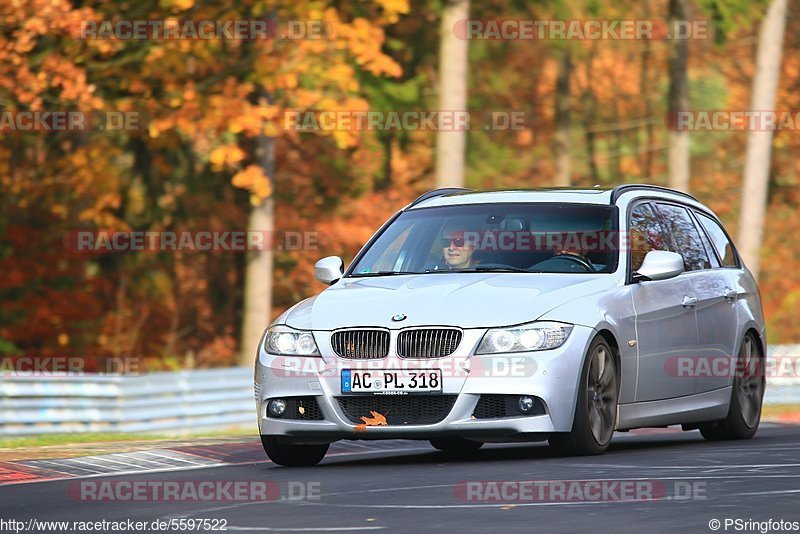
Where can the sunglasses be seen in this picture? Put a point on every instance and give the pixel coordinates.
(457, 241)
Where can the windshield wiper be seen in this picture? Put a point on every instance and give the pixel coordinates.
(485, 269)
(381, 273)
(476, 269)
(508, 269)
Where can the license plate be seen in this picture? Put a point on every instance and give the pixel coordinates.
(387, 382)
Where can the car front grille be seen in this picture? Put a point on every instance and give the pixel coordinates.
(398, 409)
(499, 406)
(423, 343)
(361, 344)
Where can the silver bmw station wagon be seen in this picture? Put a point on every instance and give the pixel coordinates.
(557, 314)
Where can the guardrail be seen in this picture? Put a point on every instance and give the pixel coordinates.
(784, 389)
(183, 401)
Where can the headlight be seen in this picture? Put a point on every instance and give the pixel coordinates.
(534, 336)
(282, 340)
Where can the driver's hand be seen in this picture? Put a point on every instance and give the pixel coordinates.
(572, 253)
(576, 254)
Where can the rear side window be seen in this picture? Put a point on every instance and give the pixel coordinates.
(685, 236)
(647, 234)
(720, 241)
(707, 245)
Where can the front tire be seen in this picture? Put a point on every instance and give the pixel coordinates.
(744, 412)
(596, 407)
(291, 455)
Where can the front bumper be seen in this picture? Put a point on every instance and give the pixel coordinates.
(551, 375)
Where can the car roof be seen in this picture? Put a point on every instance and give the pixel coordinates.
(569, 195)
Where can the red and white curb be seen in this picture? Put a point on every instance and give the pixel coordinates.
(170, 459)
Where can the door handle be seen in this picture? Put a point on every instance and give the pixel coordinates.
(730, 294)
(689, 302)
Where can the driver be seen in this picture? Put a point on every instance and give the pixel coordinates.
(456, 251)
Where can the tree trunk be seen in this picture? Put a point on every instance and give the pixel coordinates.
(258, 268)
(678, 156)
(759, 143)
(590, 109)
(646, 153)
(257, 284)
(590, 113)
(451, 145)
(384, 182)
(614, 156)
(562, 143)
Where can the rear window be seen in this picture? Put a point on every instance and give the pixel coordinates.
(685, 236)
(720, 241)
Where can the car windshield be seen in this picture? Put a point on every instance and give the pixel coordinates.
(527, 238)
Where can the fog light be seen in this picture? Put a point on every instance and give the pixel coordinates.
(525, 404)
(276, 407)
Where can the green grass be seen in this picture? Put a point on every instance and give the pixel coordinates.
(43, 440)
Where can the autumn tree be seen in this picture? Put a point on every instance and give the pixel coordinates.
(678, 156)
(759, 142)
(453, 75)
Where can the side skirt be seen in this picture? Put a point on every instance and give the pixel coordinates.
(707, 406)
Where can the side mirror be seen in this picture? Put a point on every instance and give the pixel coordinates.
(329, 270)
(659, 265)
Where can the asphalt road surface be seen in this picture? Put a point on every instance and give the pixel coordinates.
(680, 481)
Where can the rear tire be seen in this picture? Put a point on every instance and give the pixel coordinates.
(596, 407)
(291, 455)
(747, 395)
(456, 445)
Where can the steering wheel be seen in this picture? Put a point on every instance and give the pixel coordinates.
(580, 260)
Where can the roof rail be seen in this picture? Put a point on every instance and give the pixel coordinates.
(620, 189)
(439, 192)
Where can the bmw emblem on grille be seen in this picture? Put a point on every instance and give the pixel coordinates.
(399, 317)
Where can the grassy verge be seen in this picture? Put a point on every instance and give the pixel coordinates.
(44, 440)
